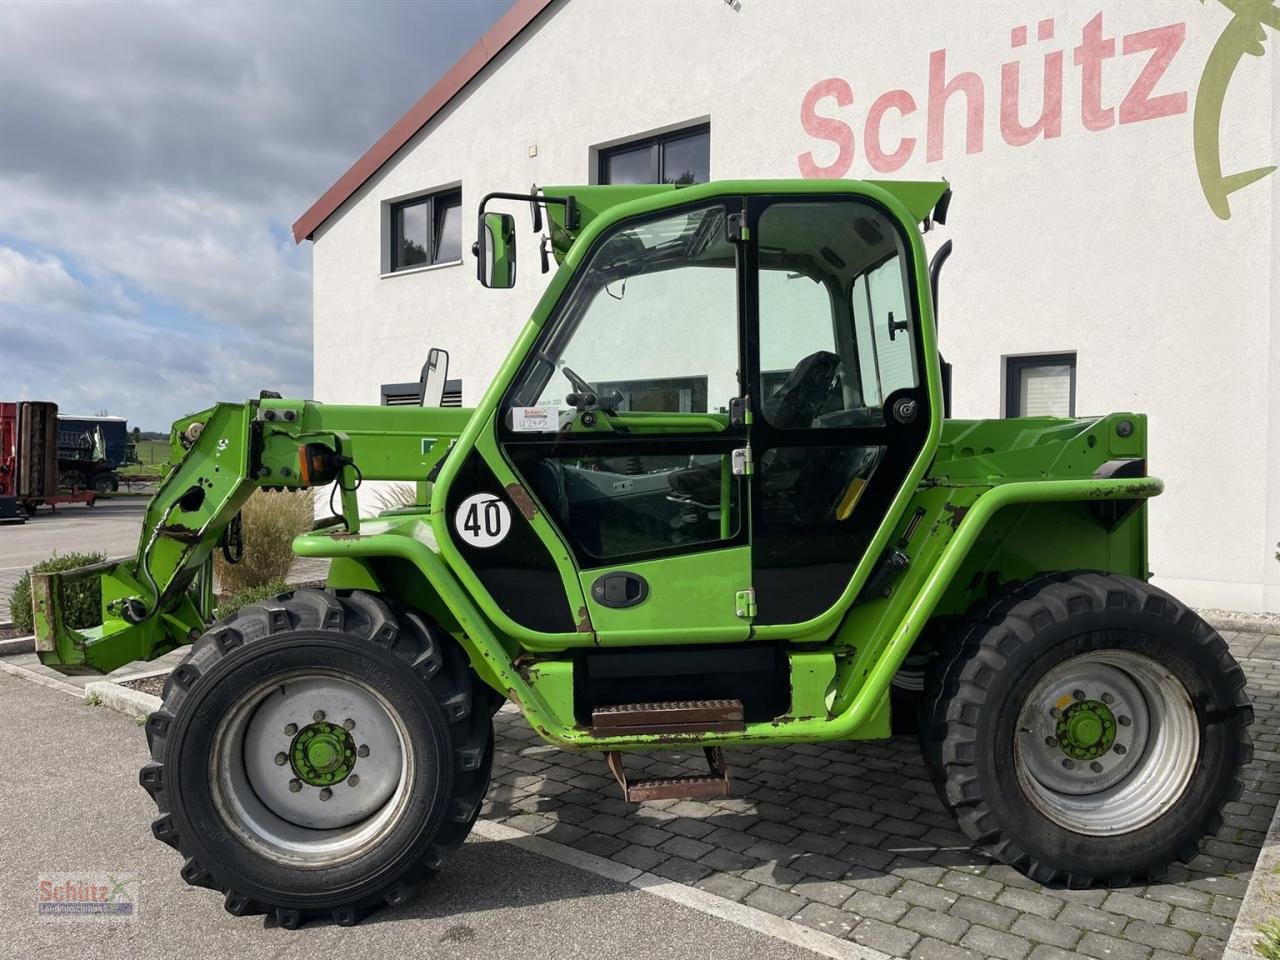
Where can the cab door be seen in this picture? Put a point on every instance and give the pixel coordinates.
(619, 424)
(840, 412)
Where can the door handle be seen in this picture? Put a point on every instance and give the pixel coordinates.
(620, 590)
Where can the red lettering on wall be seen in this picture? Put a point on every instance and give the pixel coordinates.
(905, 104)
(827, 128)
(940, 92)
(1164, 43)
(1049, 124)
(835, 123)
(1093, 49)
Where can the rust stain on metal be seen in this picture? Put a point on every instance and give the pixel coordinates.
(1139, 489)
(344, 535)
(955, 514)
(524, 503)
(176, 531)
(584, 621)
(521, 664)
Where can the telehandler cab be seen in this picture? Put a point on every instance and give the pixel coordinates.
(711, 499)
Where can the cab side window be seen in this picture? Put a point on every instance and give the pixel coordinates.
(881, 320)
(835, 328)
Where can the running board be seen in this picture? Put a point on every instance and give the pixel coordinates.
(715, 784)
(675, 716)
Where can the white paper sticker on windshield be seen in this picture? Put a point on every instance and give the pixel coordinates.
(543, 419)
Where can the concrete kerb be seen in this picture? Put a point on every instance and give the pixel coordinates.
(51, 682)
(1261, 898)
(133, 703)
(1245, 624)
(17, 645)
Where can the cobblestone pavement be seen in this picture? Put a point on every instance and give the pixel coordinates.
(850, 839)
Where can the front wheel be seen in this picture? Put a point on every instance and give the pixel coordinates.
(104, 483)
(318, 755)
(1087, 728)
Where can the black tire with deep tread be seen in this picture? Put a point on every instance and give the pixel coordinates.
(974, 690)
(413, 660)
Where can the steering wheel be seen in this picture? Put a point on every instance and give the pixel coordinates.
(577, 382)
(606, 402)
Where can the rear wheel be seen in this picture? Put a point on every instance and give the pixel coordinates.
(1087, 727)
(318, 755)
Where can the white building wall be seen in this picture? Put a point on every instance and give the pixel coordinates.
(1098, 241)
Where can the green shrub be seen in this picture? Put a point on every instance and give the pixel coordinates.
(395, 496)
(242, 598)
(1269, 945)
(269, 521)
(81, 600)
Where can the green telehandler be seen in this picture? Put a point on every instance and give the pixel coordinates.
(713, 498)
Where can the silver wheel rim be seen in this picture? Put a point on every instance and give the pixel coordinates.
(276, 803)
(1140, 764)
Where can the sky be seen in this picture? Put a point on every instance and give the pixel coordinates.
(153, 158)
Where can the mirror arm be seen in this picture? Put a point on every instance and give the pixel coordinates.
(572, 216)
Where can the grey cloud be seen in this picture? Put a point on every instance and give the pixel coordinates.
(168, 147)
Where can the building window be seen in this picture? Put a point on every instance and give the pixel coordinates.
(668, 395)
(1040, 385)
(410, 394)
(426, 230)
(682, 156)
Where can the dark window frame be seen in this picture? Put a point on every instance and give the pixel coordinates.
(657, 154)
(1017, 364)
(436, 203)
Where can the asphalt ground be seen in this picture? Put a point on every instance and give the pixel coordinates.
(72, 805)
(110, 527)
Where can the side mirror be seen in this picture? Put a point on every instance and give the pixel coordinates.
(495, 251)
(432, 380)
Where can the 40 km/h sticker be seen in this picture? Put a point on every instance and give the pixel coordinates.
(482, 520)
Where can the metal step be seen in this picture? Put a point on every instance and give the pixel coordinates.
(675, 716)
(715, 784)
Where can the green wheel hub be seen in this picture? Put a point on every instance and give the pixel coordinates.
(322, 754)
(1086, 730)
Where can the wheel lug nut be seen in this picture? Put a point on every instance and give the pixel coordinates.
(1078, 694)
(318, 716)
(290, 729)
(1124, 721)
(326, 793)
(281, 759)
(349, 723)
(363, 751)
(1068, 764)
(1108, 698)
(1055, 713)
(1096, 767)
(1050, 742)
(354, 780)
(1119, 748)
(295, 786)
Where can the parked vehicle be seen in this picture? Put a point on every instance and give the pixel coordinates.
(712, 498)
(91, 450)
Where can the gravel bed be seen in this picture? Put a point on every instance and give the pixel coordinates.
(151, 685)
